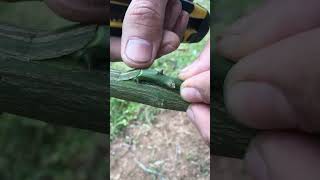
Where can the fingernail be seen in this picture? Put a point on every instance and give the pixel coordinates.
(139, 50)
(190, 66)
(256, 165)
(191, 94)
(190, 114)
(259, 105)
(185, 70)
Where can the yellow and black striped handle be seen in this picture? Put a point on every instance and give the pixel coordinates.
(197, 28)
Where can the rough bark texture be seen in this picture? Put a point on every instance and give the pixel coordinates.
(76, 98)
(229, 137)
(72, 97)
(152, 95)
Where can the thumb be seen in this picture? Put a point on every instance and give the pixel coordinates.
(142, 32)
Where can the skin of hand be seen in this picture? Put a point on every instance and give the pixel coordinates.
(196, 90)
(275, 85)
(151, 28)
(84, 11)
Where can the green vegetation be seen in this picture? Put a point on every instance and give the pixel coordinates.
(122, 112)
(32, 150)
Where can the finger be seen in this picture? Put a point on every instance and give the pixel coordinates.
(197, 88)
(171, 39)
(200, 65)
(115, 48)
(181, 24)
(199, 114)
(170, 42)
(85, 11)
(142, 32)
(278, 87)
(284, 156)
(173, 11)
(259, 29)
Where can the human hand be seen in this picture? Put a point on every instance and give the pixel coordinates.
(275, 86)
(196, 90)
(151, 28)
(85, 11)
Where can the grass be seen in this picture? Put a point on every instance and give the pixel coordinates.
(123, 112)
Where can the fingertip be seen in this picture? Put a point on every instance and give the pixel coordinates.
(181, 76)
(190, 94)
(137, 53)
(201, 64)
(189, 70)
(135, 65)
(197, 88)
(170, 43)
(259, 105)
(199, 115)
(138, 50)
(142, 32)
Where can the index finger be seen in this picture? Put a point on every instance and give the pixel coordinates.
(200, 65)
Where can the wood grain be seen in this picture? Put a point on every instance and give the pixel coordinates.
(230, 138)
(76, 98)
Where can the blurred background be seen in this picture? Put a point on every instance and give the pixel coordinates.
(146, 142)
(225, 13)
(151, 143)
(31, 149)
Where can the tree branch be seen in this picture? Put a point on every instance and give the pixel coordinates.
(142, 92)
(71, 97)
(229, 137)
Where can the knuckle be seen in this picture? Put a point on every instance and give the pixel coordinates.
(177, 6)
(173, 12)
(145, 13)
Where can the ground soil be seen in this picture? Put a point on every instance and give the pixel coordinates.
(169, 148)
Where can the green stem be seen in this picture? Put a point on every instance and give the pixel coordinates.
(146, 91)
(230, 138)
(31, 45)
